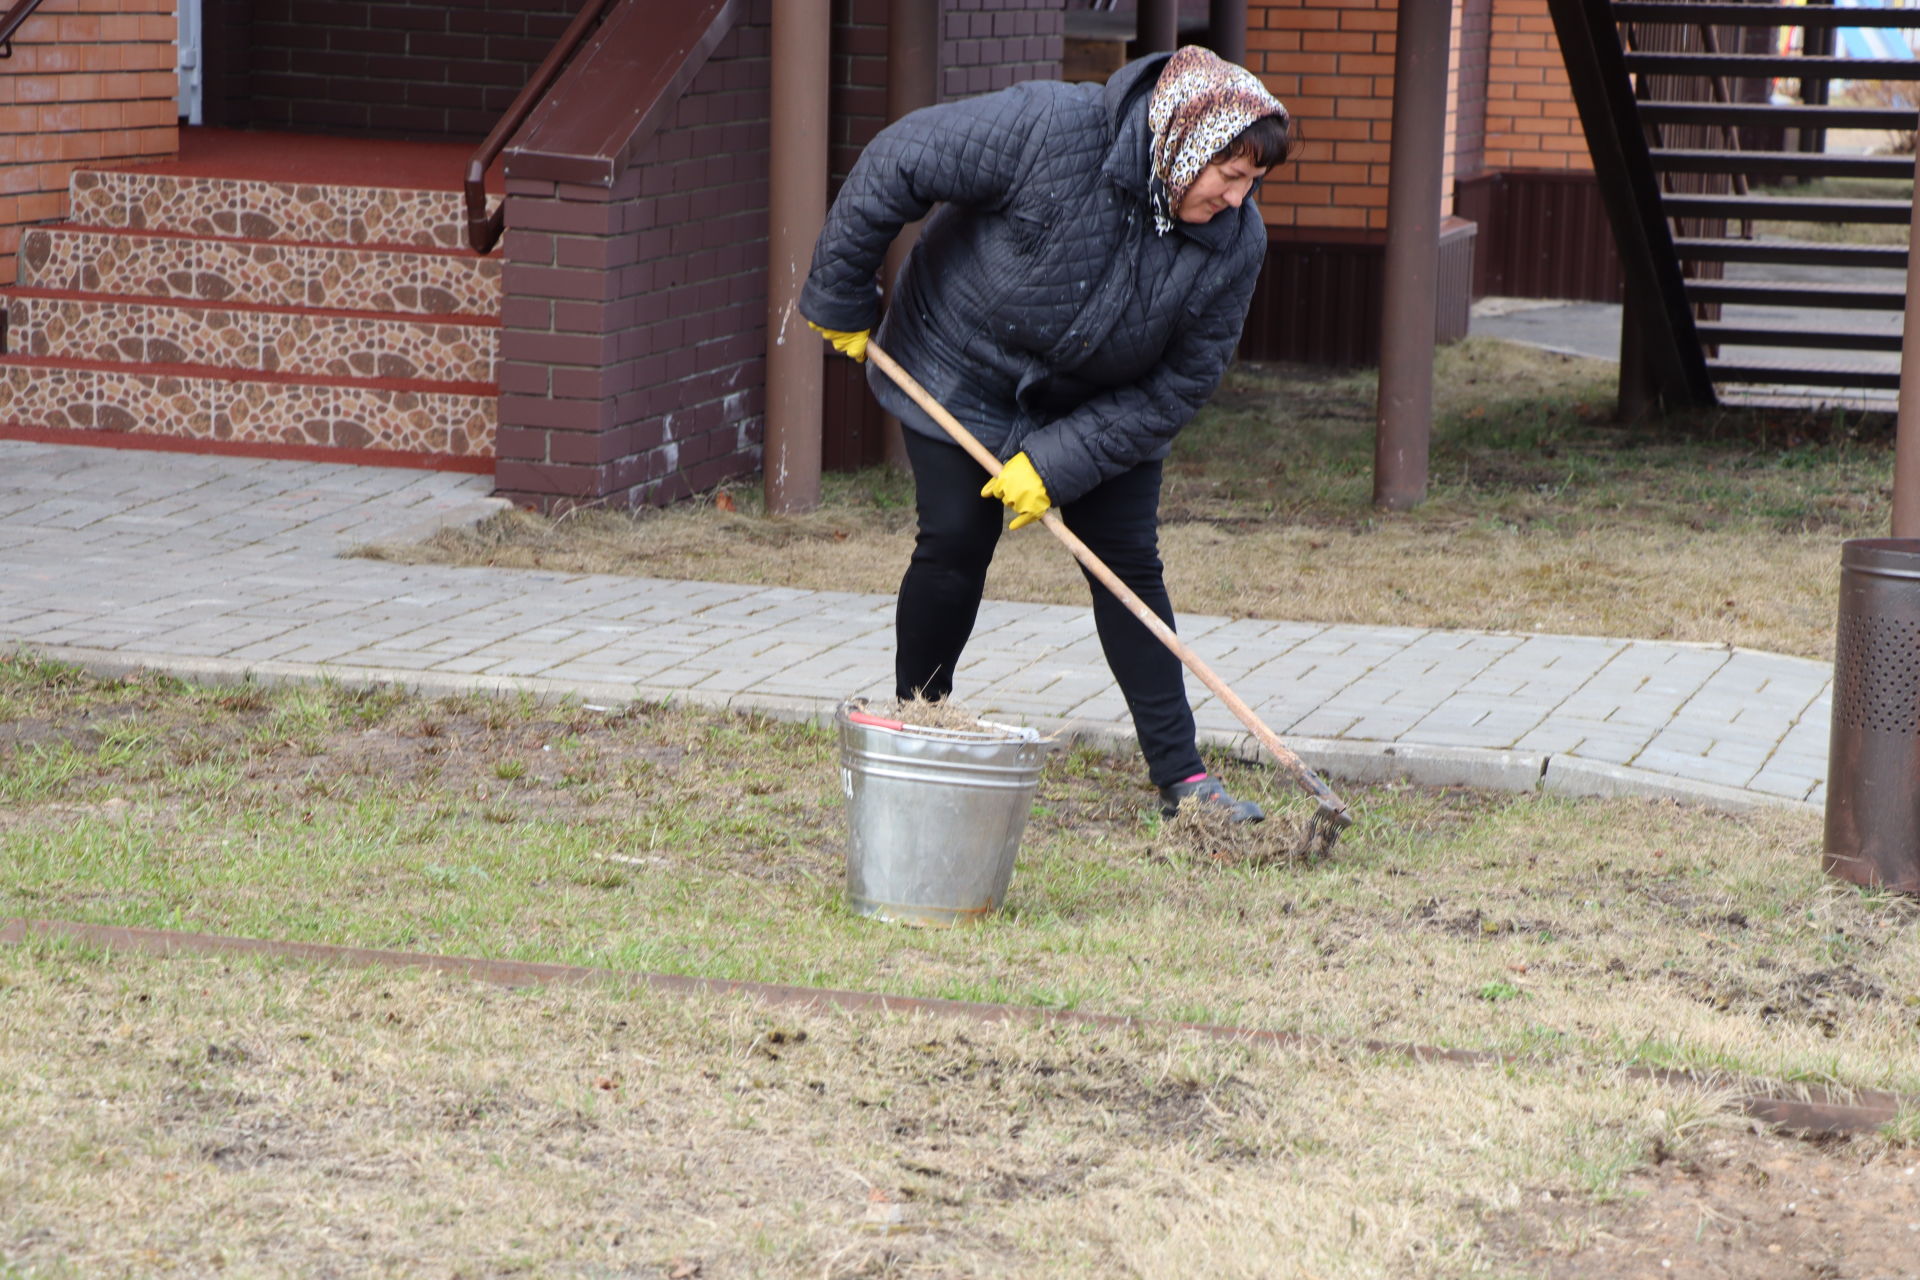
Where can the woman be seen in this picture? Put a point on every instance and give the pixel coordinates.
(1074, 301)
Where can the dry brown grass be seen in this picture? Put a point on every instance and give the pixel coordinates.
(192, 1116)
(188, 1117)
(1721, 528)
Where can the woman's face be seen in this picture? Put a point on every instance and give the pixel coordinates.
(1221, 185)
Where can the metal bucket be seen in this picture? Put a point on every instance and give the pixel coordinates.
(1873, 759)
(934, 816)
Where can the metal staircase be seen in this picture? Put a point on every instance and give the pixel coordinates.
(1673, 97)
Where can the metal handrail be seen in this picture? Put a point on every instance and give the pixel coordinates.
(483, 231)
(20, 12)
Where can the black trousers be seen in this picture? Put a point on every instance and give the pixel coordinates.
(940, 594)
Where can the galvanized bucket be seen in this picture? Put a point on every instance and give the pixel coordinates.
(934, 816)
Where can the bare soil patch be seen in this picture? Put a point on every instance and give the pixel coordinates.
(1737, 1206)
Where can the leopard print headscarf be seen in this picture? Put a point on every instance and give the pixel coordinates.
(1200, 104)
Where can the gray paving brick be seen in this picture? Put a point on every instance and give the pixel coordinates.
(214, 559)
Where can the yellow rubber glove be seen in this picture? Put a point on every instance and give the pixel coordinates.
(851, 345)
(1020, 487)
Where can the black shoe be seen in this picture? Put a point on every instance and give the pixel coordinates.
(1208, 791)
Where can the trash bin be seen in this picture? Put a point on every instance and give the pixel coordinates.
(1873, 762)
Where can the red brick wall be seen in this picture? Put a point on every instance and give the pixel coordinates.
(1331, 62)
(424, 69)
(89, 80)
(1531, 120)
(633, 353)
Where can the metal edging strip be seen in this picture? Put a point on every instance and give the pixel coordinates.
(1817, 1112)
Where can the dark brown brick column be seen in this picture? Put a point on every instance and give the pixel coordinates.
(632, 357)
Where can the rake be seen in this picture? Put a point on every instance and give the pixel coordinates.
(1331, 817)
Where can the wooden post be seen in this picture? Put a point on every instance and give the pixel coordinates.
(797, 199)
(1404, 416)
(1157, 27)
(1906, 448)
(1227, 28)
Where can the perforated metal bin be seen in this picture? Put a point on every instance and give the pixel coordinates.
(1873, 763)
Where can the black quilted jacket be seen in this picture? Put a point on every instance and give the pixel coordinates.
(1038, 305)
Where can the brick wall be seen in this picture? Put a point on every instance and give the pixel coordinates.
(1332, 64)
(633, 352)
(984, 45)
(89, 80)
(424, 69)
(857, 100)
(1473, 25)
(991, 44)
(1531, 122)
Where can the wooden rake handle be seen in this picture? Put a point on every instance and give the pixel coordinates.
(1333, 810)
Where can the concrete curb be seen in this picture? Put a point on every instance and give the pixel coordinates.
(471, 512)
(1570, 776)
(1337, 759)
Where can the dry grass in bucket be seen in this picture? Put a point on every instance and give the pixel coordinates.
(1197, 833)
(946, 714)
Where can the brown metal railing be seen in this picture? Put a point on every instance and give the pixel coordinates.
(483, 230)
(21, 10)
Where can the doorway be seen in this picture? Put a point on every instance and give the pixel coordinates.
(189, 60)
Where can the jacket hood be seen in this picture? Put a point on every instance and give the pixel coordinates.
(1137, 77)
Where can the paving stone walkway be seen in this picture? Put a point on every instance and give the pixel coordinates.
(215, 567)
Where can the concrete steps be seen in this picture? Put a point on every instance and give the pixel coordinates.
(248, 336)
(291, 317)
(269, 272)
(317, 213)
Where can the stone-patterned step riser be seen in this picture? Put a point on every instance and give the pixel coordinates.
(254, 210)
(274, 275)
(130, 332)
(298, 414)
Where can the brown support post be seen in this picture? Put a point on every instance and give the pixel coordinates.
(797, 185)
(1404, 418)
(1906, 445)
(913, 81)
(1227, 28)
(1639, 398)
(1157, 26)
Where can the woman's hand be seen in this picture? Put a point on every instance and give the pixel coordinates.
(1020, 487)
(851, 345)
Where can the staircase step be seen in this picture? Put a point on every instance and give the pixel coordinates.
(1803, 375)
(1797, 115)
(270, 273)
(1761, 15)
(1787, 209)
(251, 209)
(1724, 334)
(216, 405)
(1736, 66)
(1769, 293)
(1803, 253)
(1784, 164)
(339, 344)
